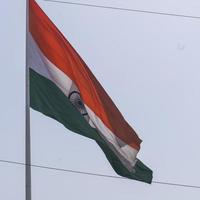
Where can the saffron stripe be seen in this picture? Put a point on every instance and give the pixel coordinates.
(58, 50)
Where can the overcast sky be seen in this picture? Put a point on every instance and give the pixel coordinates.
(149, 64)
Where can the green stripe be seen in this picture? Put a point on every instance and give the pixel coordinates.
(48, 99)
(140, 172)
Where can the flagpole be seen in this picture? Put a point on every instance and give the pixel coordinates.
(27, 120)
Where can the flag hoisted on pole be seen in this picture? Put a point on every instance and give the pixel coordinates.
(63, 87)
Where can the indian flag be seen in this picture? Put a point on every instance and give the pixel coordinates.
(63, 87)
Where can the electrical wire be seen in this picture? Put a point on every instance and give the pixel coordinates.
(124, 9)
(95, 174)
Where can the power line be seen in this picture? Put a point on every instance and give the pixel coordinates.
(95, 174)
(124, 9)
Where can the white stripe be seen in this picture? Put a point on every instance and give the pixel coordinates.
(125, 151)
(39, 63)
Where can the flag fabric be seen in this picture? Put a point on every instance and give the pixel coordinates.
(63, 88)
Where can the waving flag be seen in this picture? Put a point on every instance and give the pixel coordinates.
(63, 88)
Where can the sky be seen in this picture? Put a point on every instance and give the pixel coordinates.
(149, 65)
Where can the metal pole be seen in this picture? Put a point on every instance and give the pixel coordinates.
(27, 120)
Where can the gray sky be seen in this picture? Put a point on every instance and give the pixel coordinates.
(149, 65)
